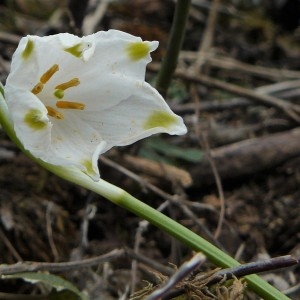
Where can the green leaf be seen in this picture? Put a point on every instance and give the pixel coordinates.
(53, 281)
(188, 154)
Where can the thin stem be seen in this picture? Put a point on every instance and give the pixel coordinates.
(175, 42)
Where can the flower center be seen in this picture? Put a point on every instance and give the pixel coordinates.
(58, 93)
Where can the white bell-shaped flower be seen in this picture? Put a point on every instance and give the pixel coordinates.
(71, 99)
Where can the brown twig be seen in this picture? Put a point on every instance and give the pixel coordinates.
(49, 231)
(182, 272)
(196, 68)
(9, 37)
(207, 40)
(54, 267)
(255, 268)
(228, 63)
(219, 185)
(202, 140)
(250, 156)
(159, 169)
(29, 266)
(238, 272)
(9, 245)
(291, 110)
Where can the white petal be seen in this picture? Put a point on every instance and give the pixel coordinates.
(126, 122)
(112, 51)
(35, 137)
(74, 142)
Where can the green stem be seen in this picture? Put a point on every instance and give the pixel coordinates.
(123, 199)
(169, 62)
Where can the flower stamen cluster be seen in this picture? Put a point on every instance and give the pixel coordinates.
(58, 93)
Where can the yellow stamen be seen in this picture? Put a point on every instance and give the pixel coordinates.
(71, 83)
(49, 73)
(37, 88)
(70, 105)
(54, 113)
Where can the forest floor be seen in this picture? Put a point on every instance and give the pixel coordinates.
(233, 178)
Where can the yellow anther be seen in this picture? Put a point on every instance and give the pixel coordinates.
(54, 113)
(70, 105)
(49, 73)
(37, 88)
(71, 83)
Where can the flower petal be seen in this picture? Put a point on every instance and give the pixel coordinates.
(116, 49)
(74, 142)
(30, 120)
(142, 114)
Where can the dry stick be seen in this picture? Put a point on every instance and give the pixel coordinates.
(211, 106)
(228, 63)
(204, 142)
(183, 271)
(293, 289)
(255, 267)
(219, 187)
(54, 267)
(10, 246)
(238, 272)
(9, 38)
(28, 266)
(208, 36)
(50, 232)
(159, 170)
(278, 87)
(291, 110)
(206, 44)
(250, 156)
(281, 88)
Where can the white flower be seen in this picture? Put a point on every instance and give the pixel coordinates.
(71, 99)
